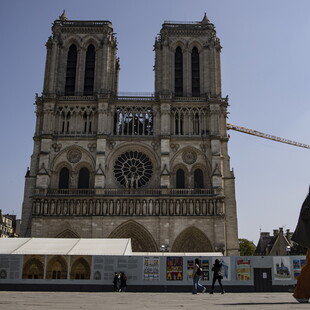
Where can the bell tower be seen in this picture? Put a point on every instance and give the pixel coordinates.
(81, 72)
(81, 58)
(187, 60)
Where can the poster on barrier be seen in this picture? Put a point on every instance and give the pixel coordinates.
(151, 268)
(225, 261)
(243, 269)
(174, 268)
(204, 263)
(281, 268)
(297, 266)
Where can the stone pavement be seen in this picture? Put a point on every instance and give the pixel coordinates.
(135, 301)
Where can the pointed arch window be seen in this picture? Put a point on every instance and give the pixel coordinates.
(71, 70)
(178, 72)
(83, 178)
(198, 179)
(195, 73)
(180, 179)
(64, 178)
(89, 71)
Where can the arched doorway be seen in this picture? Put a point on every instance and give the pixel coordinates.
(192, 239)
(141, 239)
(67, 234)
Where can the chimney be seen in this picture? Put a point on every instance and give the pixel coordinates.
(275, 232)
(264, 234)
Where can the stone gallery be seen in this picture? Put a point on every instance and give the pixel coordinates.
(152, 168)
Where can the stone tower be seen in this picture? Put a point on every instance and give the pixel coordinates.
(154, 168)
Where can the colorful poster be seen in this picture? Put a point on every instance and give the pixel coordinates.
(281, 268)
(225, 261)
(190, 267)
(151, 268)
(297, 266)
(243, 269)
(174, 268)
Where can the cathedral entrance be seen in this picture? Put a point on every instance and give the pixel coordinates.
(141, 239)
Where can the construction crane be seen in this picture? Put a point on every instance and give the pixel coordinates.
(265, 135)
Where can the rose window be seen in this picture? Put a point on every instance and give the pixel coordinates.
(133, 169)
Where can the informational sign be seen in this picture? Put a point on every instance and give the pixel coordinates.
(174, 268)
(151, 268)
(10, 266)
(243, 269)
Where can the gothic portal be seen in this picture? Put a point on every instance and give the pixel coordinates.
(154, 168)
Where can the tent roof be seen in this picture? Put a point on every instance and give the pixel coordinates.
(63, 246)
(198, 254)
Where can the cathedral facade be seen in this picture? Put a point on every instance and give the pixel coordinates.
(151, 168)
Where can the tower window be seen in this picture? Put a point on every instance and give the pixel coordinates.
(64, 178)
(133, 121)
(178, 72)
(71, 71)
(89, 71)
(83, 178)
(198, 178)
(195, 73)
(180, 178)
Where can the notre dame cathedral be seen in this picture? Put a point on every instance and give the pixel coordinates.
(151, 168)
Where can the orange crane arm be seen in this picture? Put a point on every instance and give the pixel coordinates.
(265, 135)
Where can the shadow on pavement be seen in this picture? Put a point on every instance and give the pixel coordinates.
(260, 303)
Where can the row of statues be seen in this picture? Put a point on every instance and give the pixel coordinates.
(128, 207)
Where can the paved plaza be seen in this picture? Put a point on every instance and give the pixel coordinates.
(128, 301)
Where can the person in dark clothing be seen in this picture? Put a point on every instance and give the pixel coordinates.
(123, 282)
(217, 275)
(117, 282)
(301, 236)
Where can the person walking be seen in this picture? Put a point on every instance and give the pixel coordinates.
(197, 273)
(301, 236)
(217, 275)
(123, 282)
(117, 282)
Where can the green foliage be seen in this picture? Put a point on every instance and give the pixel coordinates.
(247, 248)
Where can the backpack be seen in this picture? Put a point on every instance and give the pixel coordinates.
(199, 271)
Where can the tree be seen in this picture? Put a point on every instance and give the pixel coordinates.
(247, 248)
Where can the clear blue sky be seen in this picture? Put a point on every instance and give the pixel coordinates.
(265, 72)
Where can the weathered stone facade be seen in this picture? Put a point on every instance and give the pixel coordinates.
(152, 168)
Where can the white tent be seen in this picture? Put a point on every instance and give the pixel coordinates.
(63, 246)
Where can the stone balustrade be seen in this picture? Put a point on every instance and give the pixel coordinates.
(130, 192)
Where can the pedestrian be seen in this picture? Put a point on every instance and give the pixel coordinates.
(123, 282)
(301, 236)
(117, 282)
(197, 273)
(217, 275)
